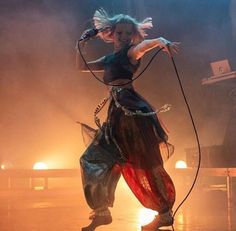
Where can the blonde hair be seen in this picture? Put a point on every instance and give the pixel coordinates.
(102, 20)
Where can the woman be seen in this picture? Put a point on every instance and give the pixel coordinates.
(128, 143)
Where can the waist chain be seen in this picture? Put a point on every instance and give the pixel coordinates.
(113, 94)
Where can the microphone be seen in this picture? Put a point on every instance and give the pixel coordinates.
(90, 33)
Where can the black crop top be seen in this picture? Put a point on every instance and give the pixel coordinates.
(118, 66)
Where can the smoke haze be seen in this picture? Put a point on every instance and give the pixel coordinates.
(42, 95)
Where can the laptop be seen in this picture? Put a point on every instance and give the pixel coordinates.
(221, 71)
(220, 68)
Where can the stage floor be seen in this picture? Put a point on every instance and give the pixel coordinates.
(66, 210)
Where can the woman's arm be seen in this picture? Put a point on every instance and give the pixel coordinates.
(96, 65)
(137, 52)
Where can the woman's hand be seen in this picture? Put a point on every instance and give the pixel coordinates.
(86, 35)
(168, 46)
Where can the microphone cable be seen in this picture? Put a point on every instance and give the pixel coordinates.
(196, 136)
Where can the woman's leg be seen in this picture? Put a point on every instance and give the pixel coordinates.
(100, 176)
(152, 187)
(155, 190)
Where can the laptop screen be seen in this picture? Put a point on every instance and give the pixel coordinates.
(220, 67)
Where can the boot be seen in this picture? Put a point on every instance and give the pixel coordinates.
(160, 220)
(99, 218)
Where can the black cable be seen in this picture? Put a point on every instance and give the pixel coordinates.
(197, 139)
(122, 84)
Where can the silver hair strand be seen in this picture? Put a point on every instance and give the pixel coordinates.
(102, 20)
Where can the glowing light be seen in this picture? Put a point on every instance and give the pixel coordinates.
(180, 164)
(39, 165)
(3, 166)
(146, 216)
(180, 219)
(38, 188)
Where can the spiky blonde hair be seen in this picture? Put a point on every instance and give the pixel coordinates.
(102, 20)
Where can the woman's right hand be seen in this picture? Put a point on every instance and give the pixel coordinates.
(83, 39)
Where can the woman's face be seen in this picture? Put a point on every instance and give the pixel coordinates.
(123, 35)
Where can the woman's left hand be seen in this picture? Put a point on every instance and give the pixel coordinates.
(168, 46)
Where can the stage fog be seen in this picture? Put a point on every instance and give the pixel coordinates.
(43, 95)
